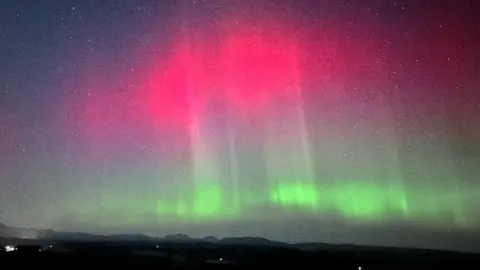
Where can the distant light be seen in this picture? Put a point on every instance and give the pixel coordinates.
(156, 246)
(221, 259)
(359, 268)
(51, 246)
(40, 250)
(10, 248)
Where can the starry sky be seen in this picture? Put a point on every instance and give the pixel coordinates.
(338, 121)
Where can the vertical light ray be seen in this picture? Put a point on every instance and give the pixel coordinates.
(452, 199)
(262, 80)
(288, 159)
(241, 53)
(234, 168)
(207, 191)
(207, 201)
(397, 199)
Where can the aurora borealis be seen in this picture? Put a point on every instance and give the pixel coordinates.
(190, 116)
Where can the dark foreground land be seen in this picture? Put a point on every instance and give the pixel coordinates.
(149, 255)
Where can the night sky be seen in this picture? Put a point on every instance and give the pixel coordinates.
(338, 121)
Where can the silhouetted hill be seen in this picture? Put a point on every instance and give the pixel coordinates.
(11, 232)
(73, 236)
(51, 236)
(130, 237)
(3, 229)
(177, 237)
(23, 233)
(251, 241)
(210, 239)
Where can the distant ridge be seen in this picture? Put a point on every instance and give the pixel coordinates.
(50, 235)
(177, 237)
(9, 234)
(210, 239)
(251, 241)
